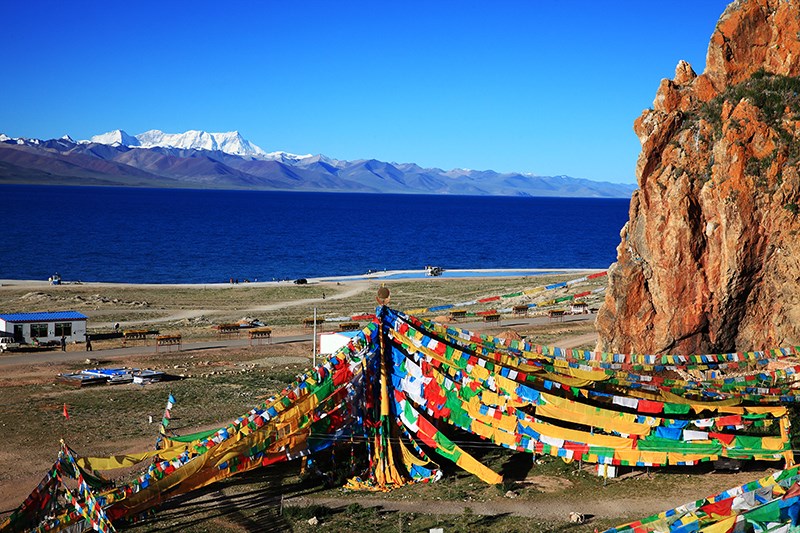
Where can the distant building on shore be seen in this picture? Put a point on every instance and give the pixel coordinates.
(50, 326)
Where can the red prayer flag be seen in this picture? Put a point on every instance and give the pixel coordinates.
(649, 406)
(66, 414)
(577, 448)
(793, 491)
(721, 508)
(342, 375)
(724, 437)
(729, 420)
(426, 432)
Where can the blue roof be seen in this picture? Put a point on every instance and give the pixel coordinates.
(43, 317)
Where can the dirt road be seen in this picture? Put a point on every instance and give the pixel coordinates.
(352, 289)
(551, 510)
(56, 356)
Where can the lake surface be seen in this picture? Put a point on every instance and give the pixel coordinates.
(205, 236)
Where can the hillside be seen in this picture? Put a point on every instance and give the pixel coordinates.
(198, 159)
(710, 258)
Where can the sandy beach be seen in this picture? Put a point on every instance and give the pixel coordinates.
(380, 275)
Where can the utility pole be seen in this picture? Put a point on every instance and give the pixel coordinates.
(315, 337)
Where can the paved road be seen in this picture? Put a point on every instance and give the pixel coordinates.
(57, 356)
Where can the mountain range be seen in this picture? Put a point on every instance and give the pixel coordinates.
(198, 159)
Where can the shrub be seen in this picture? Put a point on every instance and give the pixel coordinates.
(770, 93)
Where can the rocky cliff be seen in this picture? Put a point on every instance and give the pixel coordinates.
(709, 260)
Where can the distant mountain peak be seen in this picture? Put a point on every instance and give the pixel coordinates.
(230, 142)
(286, 157)
(19, 140)
(115, 138)
(181, 159)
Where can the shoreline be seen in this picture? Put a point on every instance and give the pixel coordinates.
(384, 275)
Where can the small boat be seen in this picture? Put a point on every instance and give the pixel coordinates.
(142, 376)
(81, 380)
(113, 376)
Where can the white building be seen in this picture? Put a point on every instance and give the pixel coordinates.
(44, 326)
(330, 342)
(580, 308)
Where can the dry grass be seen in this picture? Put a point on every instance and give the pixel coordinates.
(224, 383)
(192, 310)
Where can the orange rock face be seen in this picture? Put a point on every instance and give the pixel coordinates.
(754, 34)
(709, 260)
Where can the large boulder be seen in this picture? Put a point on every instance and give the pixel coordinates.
(709, 260)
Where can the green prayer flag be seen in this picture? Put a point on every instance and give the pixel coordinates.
(191, 437)
(324, 390)
(458, 415)
(676, 408)
(761, 516)
(750, 443)
(409, 412)
(658, 444)
(601, 451)
(446, 447)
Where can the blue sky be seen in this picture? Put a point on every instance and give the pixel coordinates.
(543, 87)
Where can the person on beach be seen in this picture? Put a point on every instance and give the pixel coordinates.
(88, 343)
(63, 343)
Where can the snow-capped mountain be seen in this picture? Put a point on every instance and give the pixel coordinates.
(230, 142)
(228, 161)
(114, 138)
(19, 140)
(286, 157)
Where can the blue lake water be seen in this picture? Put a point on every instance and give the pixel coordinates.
(204, 236)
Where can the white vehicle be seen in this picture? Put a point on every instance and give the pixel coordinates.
(434, 270)
(8, 343)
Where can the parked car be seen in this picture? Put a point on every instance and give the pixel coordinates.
(8, 343)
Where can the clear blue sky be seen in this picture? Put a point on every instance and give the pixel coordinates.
(536, 86)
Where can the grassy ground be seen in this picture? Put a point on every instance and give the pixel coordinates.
(255, 501)
(549, 334)
(227, 383)
(221, 384)
(280, 305)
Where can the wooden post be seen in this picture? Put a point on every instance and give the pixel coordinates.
(315, 337)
